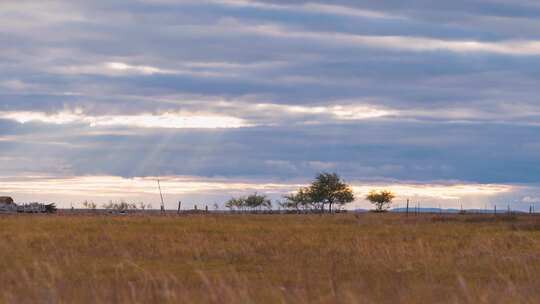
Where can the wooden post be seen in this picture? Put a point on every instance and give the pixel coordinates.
(206, 209)
(495, 209)
(407, 209)
(509, 212)
(161, 196)
(179, 207)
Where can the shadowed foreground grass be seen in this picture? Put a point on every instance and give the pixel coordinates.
(370, 258)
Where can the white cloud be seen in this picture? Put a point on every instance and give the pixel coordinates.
(400, 43)
(15, 85)
(116, 68)
(172, 120)
(531, 199)
(313, 8)
(344, 10)
(339, 112)
(272, 114)
(112, 69)
(138, 69)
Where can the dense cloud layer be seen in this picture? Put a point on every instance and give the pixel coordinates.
(400, 91)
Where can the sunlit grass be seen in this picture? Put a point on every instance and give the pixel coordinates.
(372, 258)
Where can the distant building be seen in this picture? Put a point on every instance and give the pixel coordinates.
(6, 200)
(7, 204)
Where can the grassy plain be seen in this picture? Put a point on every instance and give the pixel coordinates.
(346, 258)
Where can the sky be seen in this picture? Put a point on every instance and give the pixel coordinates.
(435, 100)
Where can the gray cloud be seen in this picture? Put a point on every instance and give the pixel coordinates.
(378, 90)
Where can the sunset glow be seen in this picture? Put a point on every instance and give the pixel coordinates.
(104, 188)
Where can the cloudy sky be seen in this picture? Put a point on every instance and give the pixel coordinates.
(436, 100)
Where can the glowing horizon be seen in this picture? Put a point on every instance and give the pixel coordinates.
(105, 188)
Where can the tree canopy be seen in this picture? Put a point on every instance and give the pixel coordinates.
(326, 190)
(252, 202)
(381, 199)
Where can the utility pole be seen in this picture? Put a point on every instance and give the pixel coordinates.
(161, 195)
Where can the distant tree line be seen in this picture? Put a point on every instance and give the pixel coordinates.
(121, 206)
(326, 193)
(253, 202)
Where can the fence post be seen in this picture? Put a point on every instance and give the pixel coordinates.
(179, 206)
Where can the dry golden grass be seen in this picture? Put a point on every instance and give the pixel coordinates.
(371, 258)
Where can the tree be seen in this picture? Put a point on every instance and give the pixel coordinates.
(298, 200)
(144, 206)
(381, 199)
(50, 208)
(89, 205)
(256, 201)
(329, 189)
(235, 203)
(121, 207)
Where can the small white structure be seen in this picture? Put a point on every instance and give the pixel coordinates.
(7, 204)
(32, 208)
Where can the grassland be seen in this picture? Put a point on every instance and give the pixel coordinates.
(370, 258)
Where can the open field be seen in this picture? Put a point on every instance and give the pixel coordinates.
(368, 258)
